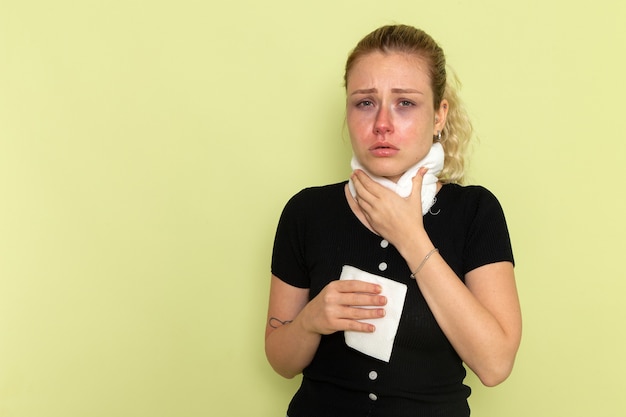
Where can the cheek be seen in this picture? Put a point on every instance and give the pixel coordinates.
(413, 128)
(356, 125)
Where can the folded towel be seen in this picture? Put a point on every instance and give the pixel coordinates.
(380, 343)
(433, 161)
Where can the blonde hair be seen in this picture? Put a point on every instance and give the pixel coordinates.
(458, 130)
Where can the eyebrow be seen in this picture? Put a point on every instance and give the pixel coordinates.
(393, 90)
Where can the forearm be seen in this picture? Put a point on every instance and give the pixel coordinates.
(290, 348)
(484, 334)
(476, 335)
(295, 324)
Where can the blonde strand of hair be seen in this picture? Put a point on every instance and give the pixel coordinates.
(456, 134)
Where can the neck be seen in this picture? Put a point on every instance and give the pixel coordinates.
(403, 186)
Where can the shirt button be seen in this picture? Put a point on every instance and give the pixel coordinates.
(373, 396)
(382, 266)
(384, 243)
(373, 375)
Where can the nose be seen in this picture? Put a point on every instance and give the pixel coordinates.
(383, 123)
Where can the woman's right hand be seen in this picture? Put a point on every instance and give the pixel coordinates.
(341, 305)
(295, 325)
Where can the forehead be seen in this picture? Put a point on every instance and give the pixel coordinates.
(396, 69)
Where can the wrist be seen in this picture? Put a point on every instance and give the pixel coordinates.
(305, 323)
(421, 265)
(414, 245)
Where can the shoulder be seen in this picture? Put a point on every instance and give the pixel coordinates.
(467, 207)
(314, 203)
(322, 190)
(469, 197)
(467, 191)
(314, 196)
(475, 216)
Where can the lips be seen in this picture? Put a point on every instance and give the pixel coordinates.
(382, 145)
(381, 149)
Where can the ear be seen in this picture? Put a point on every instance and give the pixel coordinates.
(440, 116)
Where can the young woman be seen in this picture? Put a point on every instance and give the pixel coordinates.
(428, 262)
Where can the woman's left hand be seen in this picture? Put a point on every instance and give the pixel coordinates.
(387, 213)
(480, 316)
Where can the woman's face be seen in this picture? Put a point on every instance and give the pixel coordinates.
(390, 112)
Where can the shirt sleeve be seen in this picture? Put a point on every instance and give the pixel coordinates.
(288, 255)
(488, 239)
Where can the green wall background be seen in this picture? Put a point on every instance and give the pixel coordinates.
(148, 147)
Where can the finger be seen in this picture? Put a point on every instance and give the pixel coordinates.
(357, 286)
(361, 313)
(359, 180)
(357, 326)
(364, 300)
(366, 187)
(418, 180)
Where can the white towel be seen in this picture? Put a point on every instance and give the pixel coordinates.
(433, 161)
(380, 343)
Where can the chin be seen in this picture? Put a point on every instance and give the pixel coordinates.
(386, 169)
(388, 172)
(392, 176)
